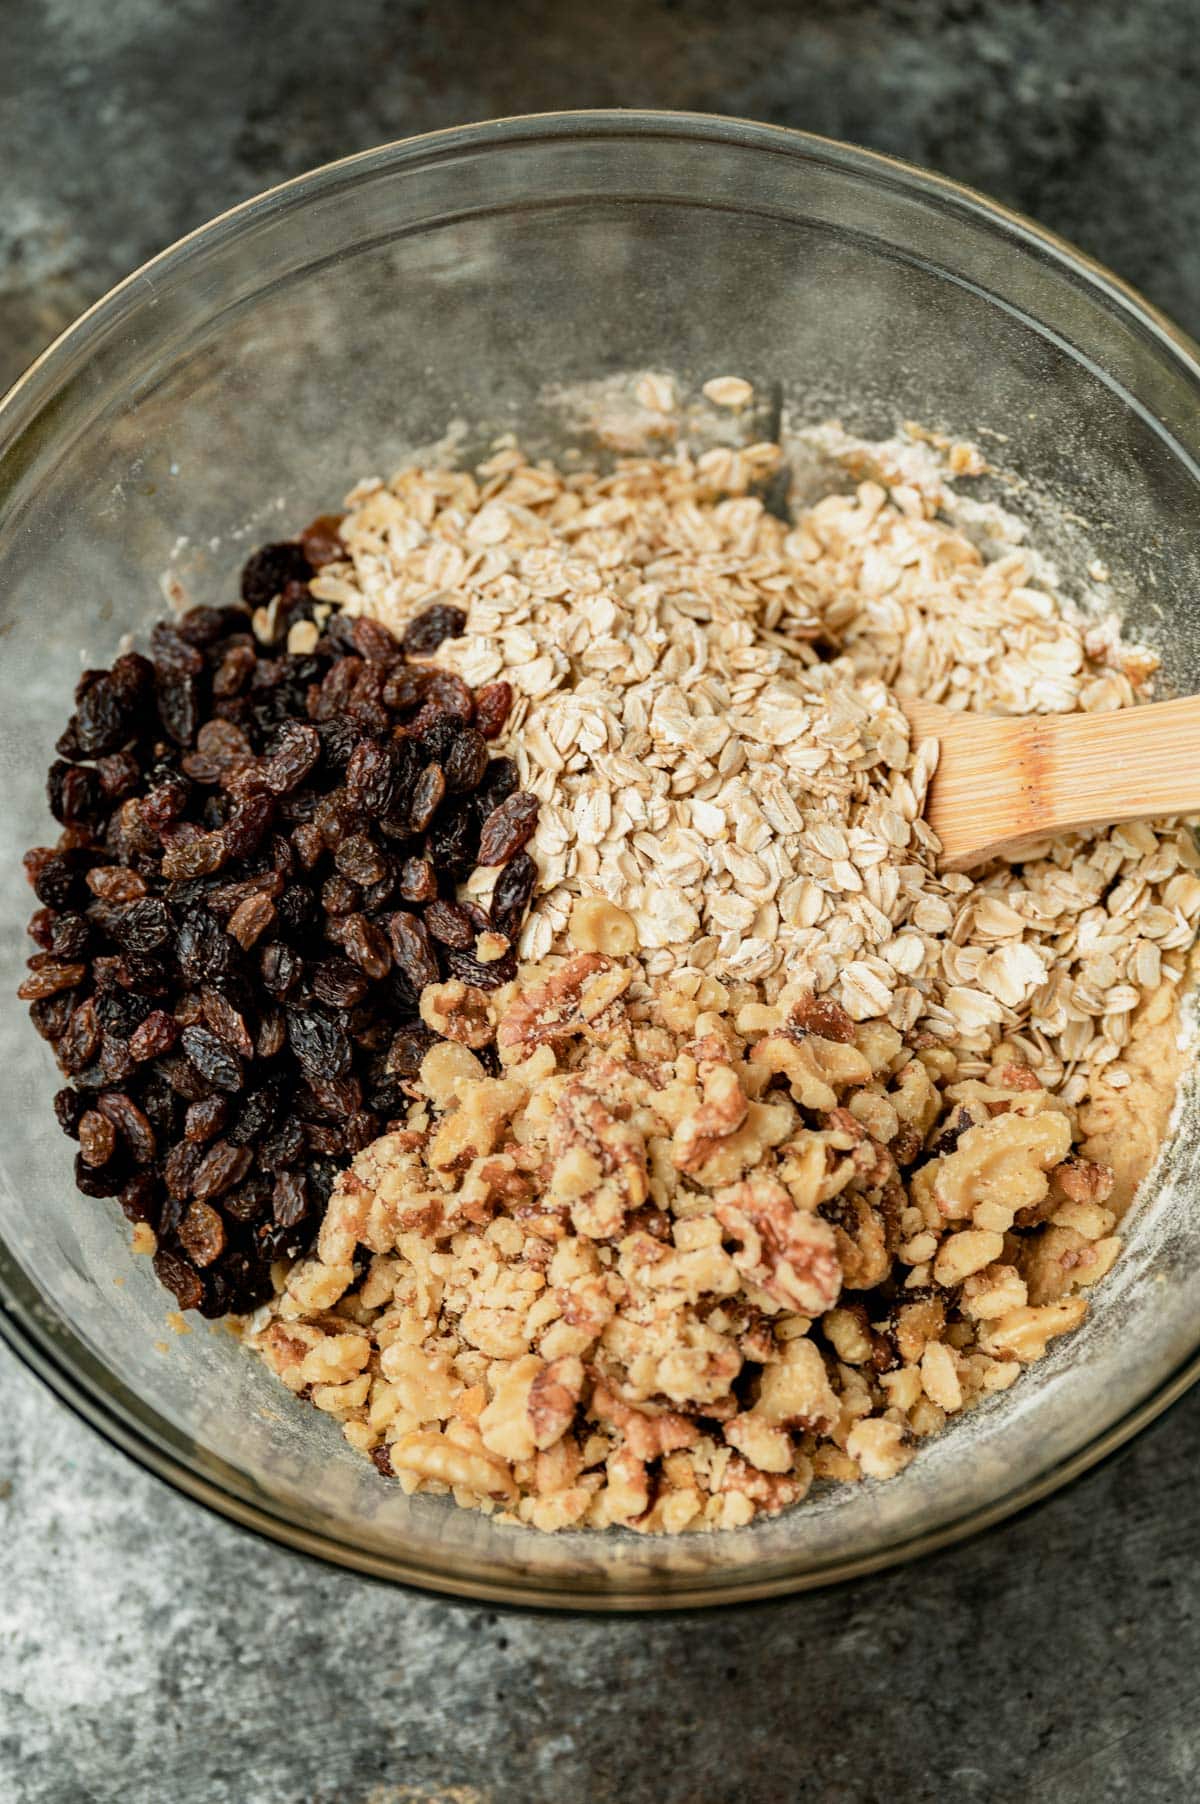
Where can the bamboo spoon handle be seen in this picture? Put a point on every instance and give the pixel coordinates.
(1001, 781)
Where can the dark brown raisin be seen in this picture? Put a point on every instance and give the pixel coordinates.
(270, 570)
(50, 978)
(143, 926)
(339, 896)
(290, 1199)
(359, 859)
(426, 630)
(140, 1197)
(507, 828)
(271, 1037)
(418, 880)
(372, 640)
(493, 705)
(338, 983)
(222, 1167)
(466, 761)
(225, 1021)
(412, 951)
(320, 542)
(81, 1042)
(371, 776)
(481, 976)
(408, 1048)
(205, 1118)
(510, 897)
(427, 796)
(69, 1110)
(281, 968)
(295, 752)
(74, 792)
(405, 689)
(153, 1036)
(366, 945)
(131, 1123)
(179, 1276)
(450, 924)
(202, 1233)
(97, 1138)
(321, 1047)
(212, 1059)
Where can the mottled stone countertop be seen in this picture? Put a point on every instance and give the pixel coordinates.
(151, 1652)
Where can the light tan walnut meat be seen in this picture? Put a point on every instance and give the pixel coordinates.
(685, 1252)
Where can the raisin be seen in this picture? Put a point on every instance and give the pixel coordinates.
(204, 950)
(172, 653)
(372, 640)
(339, 896)
(131, 1123)
(202, 1233)
(338, 983)
(408, 1048)
(57, 877)
(481, 976)
(405, 689)
(251, 919)
(154, 1035)
(118, 774)
(69, 1110)
(451, 924)
(359, 859)
(371, 776)
(143, 926)
(281, 968)
(427, 796)
(319, 1044)
(140, 1197)
(205, 1118)
(180, 1166)
(283, 1147)
(426, 630)
(70, 936)
(180, 1276)
(320, 542)
(225, 1021)
(510, 897)
(103, 719)
(295, 752)
(271, 1037)
(74, 792)
(493, 705)
(466, 761)
(366, 945)
(271, 569)
(418, 880)
(259, 1112)
(412, 951)
(289, 1203)
(50, 978)
(507, 827)
(178, 708)
(222, 1167)
(212, 1060)
(97, 1138)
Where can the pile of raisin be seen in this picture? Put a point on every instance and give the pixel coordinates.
(257, 875)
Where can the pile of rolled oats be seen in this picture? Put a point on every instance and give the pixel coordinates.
(687, 1252)
(796, 1146)
(702, 711)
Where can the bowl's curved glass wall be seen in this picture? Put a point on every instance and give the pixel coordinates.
(238, 385)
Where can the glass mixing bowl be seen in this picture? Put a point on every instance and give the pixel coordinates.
(237, 384)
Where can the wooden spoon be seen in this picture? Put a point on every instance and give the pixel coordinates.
(1002, 781)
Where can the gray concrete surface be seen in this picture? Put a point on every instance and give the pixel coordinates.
(149, 1652)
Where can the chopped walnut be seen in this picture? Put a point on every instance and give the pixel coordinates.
(630, 1280)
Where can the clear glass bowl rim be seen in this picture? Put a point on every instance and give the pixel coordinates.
(37, 1347)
